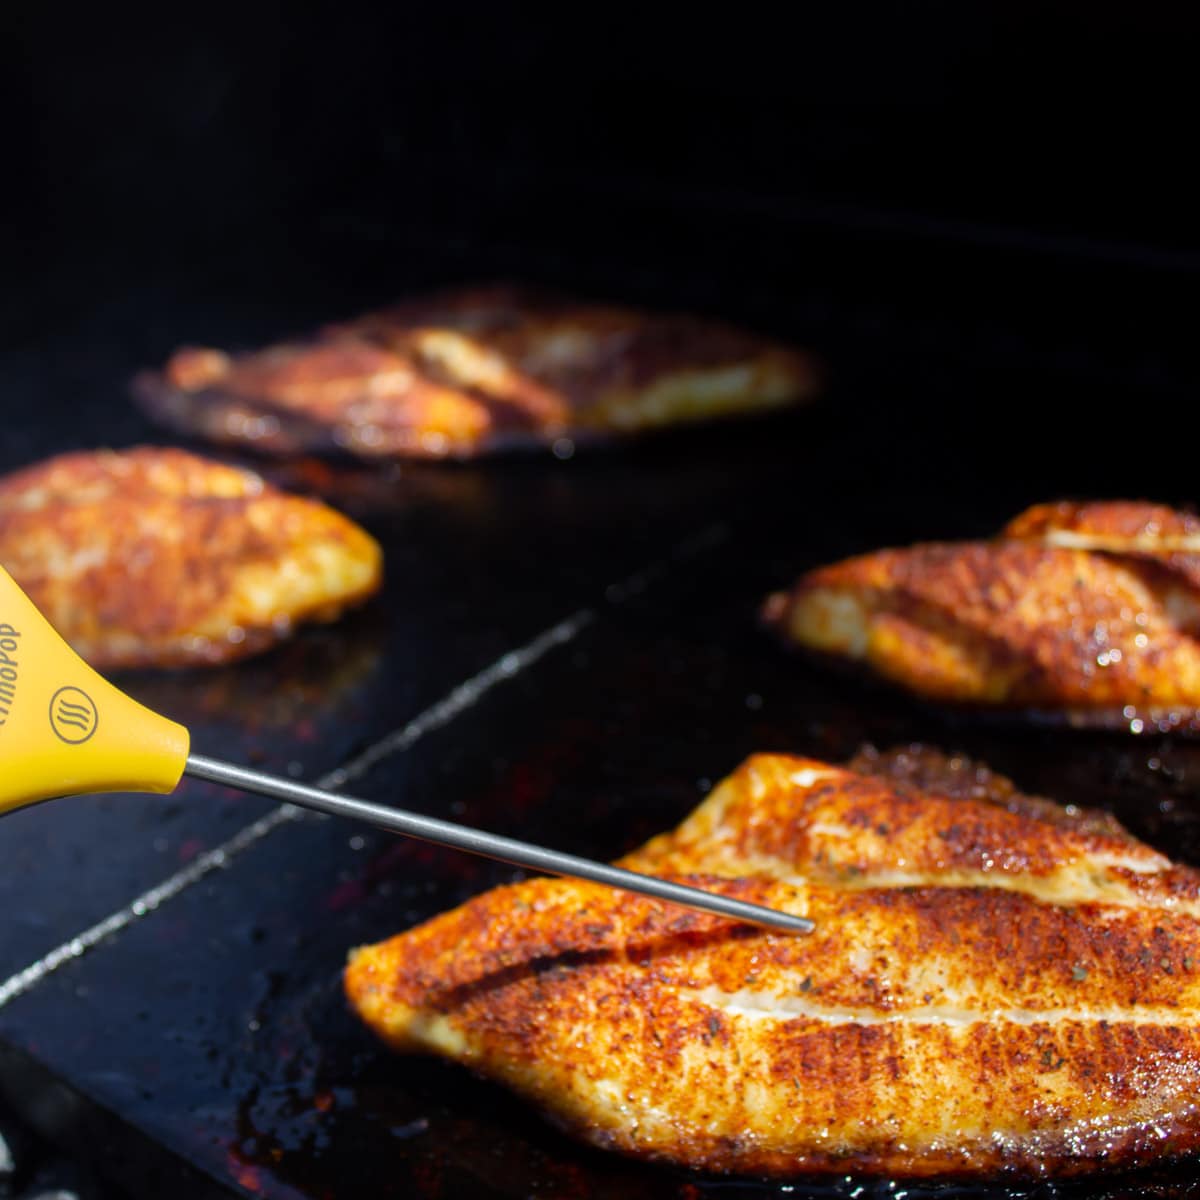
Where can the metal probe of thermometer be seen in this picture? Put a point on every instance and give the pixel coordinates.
(65, 731)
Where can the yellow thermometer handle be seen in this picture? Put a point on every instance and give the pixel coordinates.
(63, 729)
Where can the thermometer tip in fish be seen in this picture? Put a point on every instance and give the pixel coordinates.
(65, 730)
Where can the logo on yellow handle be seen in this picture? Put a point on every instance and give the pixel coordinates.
(73, 715)
(52, 740)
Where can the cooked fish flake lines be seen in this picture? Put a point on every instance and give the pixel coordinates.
(870, 956)
(768, 1006)
(805, 823)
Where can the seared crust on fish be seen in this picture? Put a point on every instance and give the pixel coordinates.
(472, 371)
(1091, 611)
(156, 557)
(995, 984)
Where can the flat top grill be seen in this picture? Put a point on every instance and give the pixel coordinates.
(565, 651)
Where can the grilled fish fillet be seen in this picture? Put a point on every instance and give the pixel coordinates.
(1090, 611)
(156, 557)
(473, 371)
(996, 984)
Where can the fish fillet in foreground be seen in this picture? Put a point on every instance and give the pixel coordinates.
(472, 371)
(996, 984)
(156, 557)
(1086, 611)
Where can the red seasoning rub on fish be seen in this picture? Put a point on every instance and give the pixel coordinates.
(473, 371)
(1086, 611)
(156, 557)
(996, 984)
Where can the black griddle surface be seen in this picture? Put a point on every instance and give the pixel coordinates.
(206, 1048)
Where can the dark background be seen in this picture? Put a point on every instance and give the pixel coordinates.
(148, 133)
(995, 182)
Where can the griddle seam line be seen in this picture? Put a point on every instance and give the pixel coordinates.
(457, 701)
(461, 698)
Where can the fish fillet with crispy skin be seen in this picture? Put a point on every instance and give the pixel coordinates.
(996, 984)
(471, 371)
(156, 557)
(1089, 611)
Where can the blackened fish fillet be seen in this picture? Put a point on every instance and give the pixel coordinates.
(1086, 611)
(473, 371)
(156, 557)
(996, 984)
